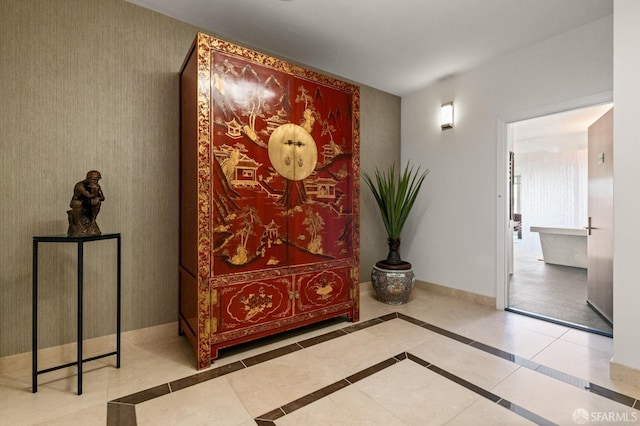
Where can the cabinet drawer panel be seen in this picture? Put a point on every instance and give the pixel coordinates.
(255, 302)
(322, 288)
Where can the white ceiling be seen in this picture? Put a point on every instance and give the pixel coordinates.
(397, 46)
(564, 131)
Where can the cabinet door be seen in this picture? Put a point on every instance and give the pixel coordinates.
(249, 101)
(255, 302)
(322, 222)
(321, 289)
(264, 217)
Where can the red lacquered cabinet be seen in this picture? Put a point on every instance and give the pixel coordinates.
(269, 196)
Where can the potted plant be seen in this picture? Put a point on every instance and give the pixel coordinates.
(395, 193)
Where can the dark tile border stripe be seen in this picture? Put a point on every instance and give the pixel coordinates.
(179, 384)
(477, 389)
(532, 365)
(521, 411)
(317, 395)
(117, 414)
(121, 414)
(145, 395)
(275, 353)
(322, 338)
(363, 374)
(308, 399)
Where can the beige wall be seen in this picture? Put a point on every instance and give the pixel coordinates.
(93, 84)
(380, 147)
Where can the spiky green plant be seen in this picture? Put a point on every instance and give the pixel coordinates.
(395, 194)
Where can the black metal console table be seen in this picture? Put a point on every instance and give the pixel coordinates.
(79, 241)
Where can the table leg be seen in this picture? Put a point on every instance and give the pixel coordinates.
(119, 304)
(34, 321)
(80, 298)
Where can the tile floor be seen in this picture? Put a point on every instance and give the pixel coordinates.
(437, 360)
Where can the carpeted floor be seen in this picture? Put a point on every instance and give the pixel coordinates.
(555, 291)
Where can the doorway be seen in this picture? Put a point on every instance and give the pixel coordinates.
(548, 193)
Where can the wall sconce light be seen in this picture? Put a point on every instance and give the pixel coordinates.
(446, 115)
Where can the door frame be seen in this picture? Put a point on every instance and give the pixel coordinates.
(502, 181)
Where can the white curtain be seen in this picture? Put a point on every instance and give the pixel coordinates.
(553, 191)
